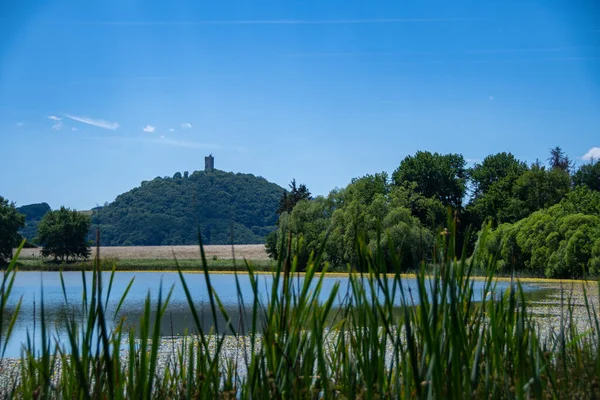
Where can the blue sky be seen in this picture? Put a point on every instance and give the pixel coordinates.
(96, 97)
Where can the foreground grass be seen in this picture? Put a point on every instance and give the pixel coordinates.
(441, 344)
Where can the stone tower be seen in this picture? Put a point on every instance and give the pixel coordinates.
(209, 163)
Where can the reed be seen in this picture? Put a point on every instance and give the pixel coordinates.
(380, 340)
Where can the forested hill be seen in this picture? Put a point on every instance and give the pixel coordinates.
(33, 215)
(169, 211)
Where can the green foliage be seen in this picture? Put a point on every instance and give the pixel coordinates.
(289, 199)
(272, 244)
(63, 234)
(369, 205)
(539, 188)
(581, 200)
(169, 211)
(559, 160)
(33, 215)
(493, 169)
(429, 210)
(493, 184)
(560, 241)
(588, 175)
(308, 223)
(10, 223)
(411, 211)
(442, 176)
(507, 191)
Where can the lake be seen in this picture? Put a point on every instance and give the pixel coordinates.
(178, 319)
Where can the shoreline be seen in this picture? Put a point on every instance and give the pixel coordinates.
(227, 267)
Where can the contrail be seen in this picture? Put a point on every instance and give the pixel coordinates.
(281, 21)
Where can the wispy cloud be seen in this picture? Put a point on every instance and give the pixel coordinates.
(171, 130)
(283, 21)
(100, 123)
(186, 125)
(20, 124)
(149, 128)
(592, 154)
(74, 129)
(57, 122)
(472, 160)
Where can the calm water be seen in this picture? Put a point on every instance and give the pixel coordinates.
(28, 285)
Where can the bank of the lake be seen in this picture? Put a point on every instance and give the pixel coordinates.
(144, 264)
(228, 265)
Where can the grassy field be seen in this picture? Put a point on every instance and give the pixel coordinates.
(247, 251)
(148, 264)
(160, 258)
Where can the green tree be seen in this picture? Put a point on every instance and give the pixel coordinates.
(539, 188)
(493, 169)
(562, 241)
(559, 160)
(581, 200)
(308, 223)
(63, 233)
(294, 196)
(493, 183)
(429, 210)
(588, 175)
(271, 245)
(367, 209)
(10, 223)
(443, 176)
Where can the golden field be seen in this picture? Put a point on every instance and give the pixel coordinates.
(247, 251)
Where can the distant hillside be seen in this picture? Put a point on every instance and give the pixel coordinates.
(33, 214)
(168, 211)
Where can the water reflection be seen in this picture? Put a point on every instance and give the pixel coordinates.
(31, 285)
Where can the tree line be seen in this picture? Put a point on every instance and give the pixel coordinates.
(405, 213)
(542, 218)
(62, 233)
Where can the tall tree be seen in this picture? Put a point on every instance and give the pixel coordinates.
(443, 176)
(289, 199)
(10, 223)
(63, 234)
(559, 160)
(493, 183)
(493, 169)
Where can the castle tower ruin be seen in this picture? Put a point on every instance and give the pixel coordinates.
(209, 163)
